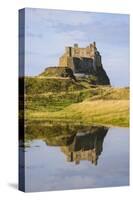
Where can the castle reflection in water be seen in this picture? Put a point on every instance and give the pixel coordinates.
(86, 146)
(76, 142)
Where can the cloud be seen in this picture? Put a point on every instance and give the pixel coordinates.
(59, 16)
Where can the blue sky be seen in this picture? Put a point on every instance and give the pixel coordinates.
(47, 32)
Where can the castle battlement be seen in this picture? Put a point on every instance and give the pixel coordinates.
(76, 51)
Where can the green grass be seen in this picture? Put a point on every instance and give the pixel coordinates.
(54, 101)
(109, 112)
(38, 85)
(64, 100)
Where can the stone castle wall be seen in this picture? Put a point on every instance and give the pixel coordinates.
(81, 60)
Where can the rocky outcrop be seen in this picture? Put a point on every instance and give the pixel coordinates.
(58, 72)
(98, 77)
(102, 78)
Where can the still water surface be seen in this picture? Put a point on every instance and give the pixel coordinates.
(84, 157)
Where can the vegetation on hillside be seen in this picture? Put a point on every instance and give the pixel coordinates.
(39, 85)
(57, 99)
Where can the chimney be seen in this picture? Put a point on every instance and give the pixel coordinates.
(75, 45)
(94, 44)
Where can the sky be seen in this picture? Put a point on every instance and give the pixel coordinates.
(47, 32)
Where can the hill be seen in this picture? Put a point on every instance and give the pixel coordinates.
(63, 99)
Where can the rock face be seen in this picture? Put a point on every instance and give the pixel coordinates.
(80, 62)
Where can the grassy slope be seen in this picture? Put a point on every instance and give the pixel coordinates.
(113, 112)
(77, 102)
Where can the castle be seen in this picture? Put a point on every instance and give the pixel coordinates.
(77, 62)
(81, 60)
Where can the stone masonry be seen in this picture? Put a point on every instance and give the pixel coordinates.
(81, 60)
